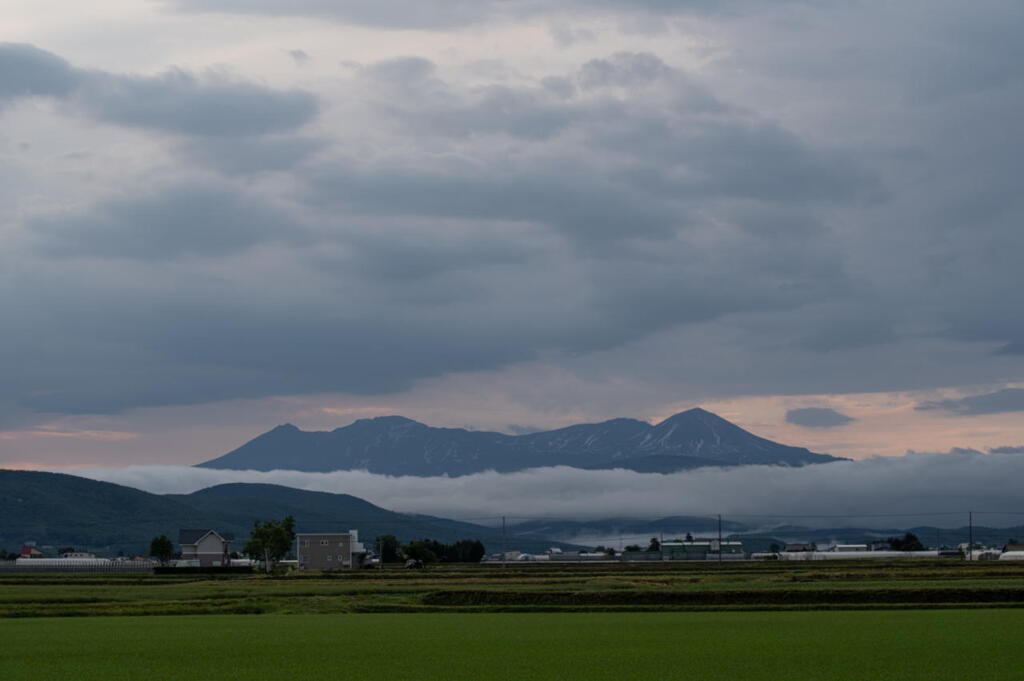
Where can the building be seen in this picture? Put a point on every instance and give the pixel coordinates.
(329, 551)
(29, 551)
(205, 548)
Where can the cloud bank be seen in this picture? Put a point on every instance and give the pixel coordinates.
(1002, 401)
(841, 493)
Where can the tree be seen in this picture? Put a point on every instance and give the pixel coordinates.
(465, 551)
(424, 550)
(632, 548)
(774, 548)
(271, 540)
(161, 548)
(689, 537)
(908, 542)
(655, 545)
(387, 545)
(65, 549)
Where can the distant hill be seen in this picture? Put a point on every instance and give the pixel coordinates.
(64, 510)
(394, 445)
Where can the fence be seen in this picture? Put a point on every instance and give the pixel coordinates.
(53, 565)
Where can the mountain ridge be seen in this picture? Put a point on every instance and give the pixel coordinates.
(67, 510)
(396, 445)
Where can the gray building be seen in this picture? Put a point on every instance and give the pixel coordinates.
(329, 551)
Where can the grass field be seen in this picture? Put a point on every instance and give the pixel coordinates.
(464, 588)
(833, 646)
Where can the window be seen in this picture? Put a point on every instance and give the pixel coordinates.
(340, 558)
(329, 556)
(324, 542)
(305, 543)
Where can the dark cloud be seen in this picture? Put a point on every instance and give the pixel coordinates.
(1000, 402)
(27, 71)
(178, 101)
(183, 220)
(300, 57)
(817, 417)
(251, 155)
(175, 101)
(623, 70)
(1007, 450)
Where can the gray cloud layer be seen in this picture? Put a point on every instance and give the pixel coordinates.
(829, 205)
(844, 493)
(442, 14)
(176, 101)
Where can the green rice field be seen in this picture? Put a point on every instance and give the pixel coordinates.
(829, 645)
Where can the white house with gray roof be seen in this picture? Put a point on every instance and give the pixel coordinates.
(208, 548)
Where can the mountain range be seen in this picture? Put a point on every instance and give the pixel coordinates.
(395, 445)
(65, 510)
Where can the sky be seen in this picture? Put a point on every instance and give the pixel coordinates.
(218, 216)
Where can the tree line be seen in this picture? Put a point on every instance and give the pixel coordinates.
(429, 550)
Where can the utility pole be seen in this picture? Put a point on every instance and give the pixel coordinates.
(970, 535)
(719, 537)
(503, 547)
(380, 552)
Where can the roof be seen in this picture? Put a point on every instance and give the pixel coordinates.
(194, 536)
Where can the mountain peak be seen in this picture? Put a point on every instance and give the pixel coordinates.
(392, 420)
(691, 414)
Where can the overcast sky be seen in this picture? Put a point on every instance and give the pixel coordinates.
(217, 216)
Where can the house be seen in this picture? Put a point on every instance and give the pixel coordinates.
(208, 548)
(329, 551)
(28, 551)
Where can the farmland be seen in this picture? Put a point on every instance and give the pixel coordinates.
(528, 588)
(904, 646)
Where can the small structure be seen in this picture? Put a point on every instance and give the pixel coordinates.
(850, 548)
(29, 551)
(205, 548)
(329, 551)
